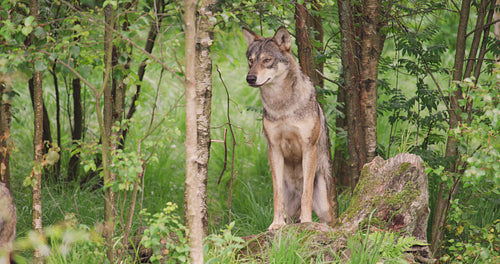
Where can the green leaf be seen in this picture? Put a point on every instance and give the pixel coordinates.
(26, 30)
(40, 66)
(40, 32)
(74, 51)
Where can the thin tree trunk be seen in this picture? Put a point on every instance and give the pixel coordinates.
(109, 205)
(36, 207)
(57, 165)
(150, 42)
(484, 42)
(76, 134)
(5, 118)
(451, 153)
(193, 209)
(38, 134)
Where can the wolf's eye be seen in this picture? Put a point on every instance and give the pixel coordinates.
(268, 60)
(250, 61)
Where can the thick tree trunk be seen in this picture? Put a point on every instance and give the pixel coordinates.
(5, 118)
(193, 208)
(362, 43)
(109, 204)
(370, 53)
(351, 72)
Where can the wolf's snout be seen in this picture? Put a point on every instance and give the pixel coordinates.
(251, 79)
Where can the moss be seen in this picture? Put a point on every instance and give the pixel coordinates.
(397, 200)
(403, 168)
(358, 202)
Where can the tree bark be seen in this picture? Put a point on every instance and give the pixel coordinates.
(351, 73)
(38, 135)
(109, 204)
(305, 24)
(5, 118)
(204, 40)
(371, 48)
(193, 207)
(362, 43)
(36, 185)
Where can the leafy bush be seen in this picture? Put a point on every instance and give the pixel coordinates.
(166, 235)
(222, 248)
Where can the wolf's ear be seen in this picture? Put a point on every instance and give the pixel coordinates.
(250, 36)
(282, 38)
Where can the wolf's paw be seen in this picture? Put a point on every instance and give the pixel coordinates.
(275, 226)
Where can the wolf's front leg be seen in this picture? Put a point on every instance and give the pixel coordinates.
(308, 170)
(276, 161)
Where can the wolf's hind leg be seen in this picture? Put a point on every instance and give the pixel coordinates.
(322, 204)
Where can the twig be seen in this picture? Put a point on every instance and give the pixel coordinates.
(234, 143)
(328, 79)
(225, 157)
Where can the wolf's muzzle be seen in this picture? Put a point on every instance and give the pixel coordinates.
(251, 79)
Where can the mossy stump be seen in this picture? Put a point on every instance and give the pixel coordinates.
(396, 192)
(391, 195)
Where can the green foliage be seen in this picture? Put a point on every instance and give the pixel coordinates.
(166, 235)
(474, 220)
(420, 115)
(472, 239)
(64, 242)
(480, 138)
(222, 248)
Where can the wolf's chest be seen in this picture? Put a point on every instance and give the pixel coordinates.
(291, 136)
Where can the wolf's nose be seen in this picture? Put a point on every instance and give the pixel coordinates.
(251, 79)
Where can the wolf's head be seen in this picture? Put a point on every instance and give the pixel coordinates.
(268, 58)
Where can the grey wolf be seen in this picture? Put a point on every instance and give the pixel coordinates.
(8, 220)
(296, 132)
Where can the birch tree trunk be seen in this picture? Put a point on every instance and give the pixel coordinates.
(192, 202)
(36, 177)
(204, 41)
(36, 185)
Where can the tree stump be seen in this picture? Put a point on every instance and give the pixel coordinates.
(391, 195)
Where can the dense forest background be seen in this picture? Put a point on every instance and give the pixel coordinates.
(102, 102)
